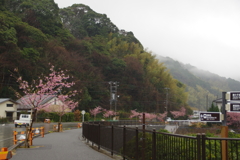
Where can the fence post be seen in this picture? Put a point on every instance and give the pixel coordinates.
(112, 138)
(14, 137)
(99, 135)
(224, 134)
(83, 130)
(137, 143)
(143, 139)
(60, 127)
(199, 146)
(124, 141)
(87, 134)
(154, 144)
(203, 146)
(42, 131)
(54, 128)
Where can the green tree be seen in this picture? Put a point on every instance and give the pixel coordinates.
(82, 21)
(213, 108)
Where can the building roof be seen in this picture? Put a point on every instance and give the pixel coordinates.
(2, 100)
(45, 99)
(219, 100)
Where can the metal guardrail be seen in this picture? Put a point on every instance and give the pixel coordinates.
(139, 144)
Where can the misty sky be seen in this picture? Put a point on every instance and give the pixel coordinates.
(203, 33)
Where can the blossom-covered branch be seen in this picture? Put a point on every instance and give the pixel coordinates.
(180, 113)
(95, 111)
(109, 113)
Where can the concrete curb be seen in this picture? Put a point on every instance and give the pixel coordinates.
(21, 143)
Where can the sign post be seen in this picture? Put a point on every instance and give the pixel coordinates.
(233, 107)
(83, 112)
(231, 103)
(233, 96)
(210, 116)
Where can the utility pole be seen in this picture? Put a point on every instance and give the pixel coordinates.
(167, 100)
(223, 109)
(113, 94)
(207, 101)
(157, 107)
(110, 83)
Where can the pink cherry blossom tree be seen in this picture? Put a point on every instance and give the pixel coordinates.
(162, 116)
(150, 116)
(109, 113)
(233, 119)
(38, 91)
(134, 113)
(63, 106)
(96, 111)
(180, 113)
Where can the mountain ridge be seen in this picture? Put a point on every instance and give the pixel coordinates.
(93, 52)
(208, 86)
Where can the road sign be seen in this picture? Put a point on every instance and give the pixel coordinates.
(83, 112)
(233, 107)
(233, 96)
(210, 116)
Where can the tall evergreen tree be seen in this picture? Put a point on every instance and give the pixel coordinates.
(213, 108)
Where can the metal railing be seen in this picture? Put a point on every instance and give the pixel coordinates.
(140, 144)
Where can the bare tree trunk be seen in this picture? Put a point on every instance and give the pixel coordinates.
(26, 144)
(29, 130)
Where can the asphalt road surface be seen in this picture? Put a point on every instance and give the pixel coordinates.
(60, 146)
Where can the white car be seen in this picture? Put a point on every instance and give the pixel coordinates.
(168, 119)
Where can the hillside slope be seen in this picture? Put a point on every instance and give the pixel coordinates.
(203, 86)
(91, 49)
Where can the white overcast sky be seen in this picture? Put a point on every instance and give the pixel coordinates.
(203, 33)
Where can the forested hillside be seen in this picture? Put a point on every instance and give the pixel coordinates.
(203, 87)
(34, 34)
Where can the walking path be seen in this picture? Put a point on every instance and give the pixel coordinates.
(60, 146)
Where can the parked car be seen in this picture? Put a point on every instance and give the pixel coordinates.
(24, 120)
(168, 119)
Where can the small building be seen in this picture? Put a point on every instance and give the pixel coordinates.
(8, 109)
(218, 103)
(25, 104)
(51, 101)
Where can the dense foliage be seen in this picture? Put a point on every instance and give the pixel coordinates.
(94, 51)
(54, 117)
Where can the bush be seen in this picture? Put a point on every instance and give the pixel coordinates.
(3, 120)
(77, 115)
(86, 116)
(68, 117)
(163, 130)
(54, 117)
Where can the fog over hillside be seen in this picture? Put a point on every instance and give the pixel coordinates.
(203, 86)
(194, 70)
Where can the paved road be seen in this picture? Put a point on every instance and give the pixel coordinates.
(60, 146)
